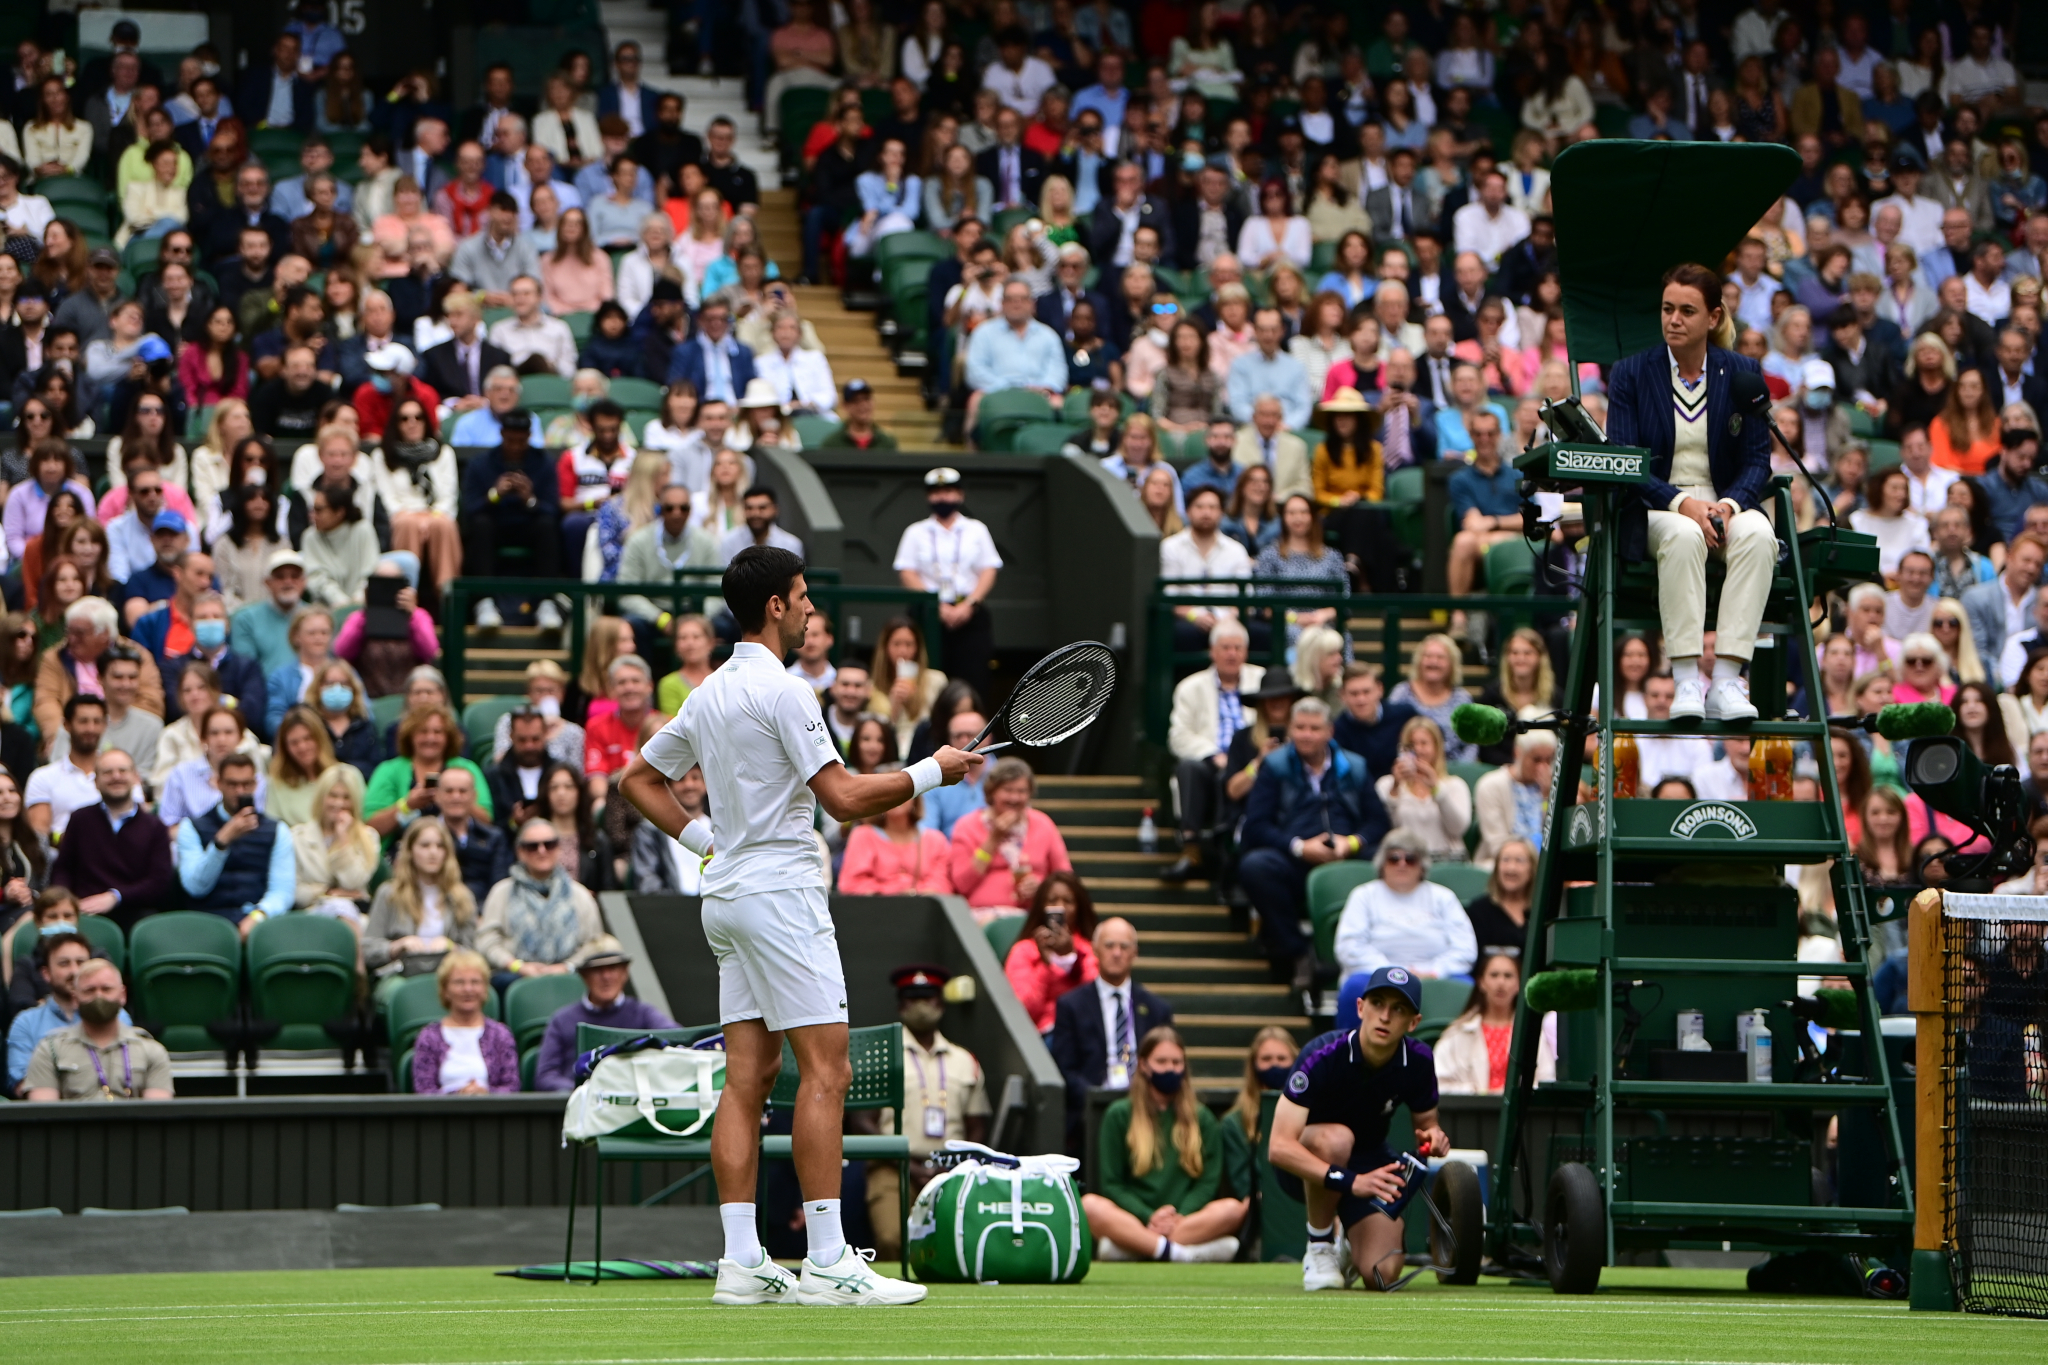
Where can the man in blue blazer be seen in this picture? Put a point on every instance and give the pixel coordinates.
(713, 359)
(627, 90)
(1086, 1018)
(1709, 468)
(262, 92)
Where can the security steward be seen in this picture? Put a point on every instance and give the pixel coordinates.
(1329, 1145)
(99, 1057)
(944, 1097)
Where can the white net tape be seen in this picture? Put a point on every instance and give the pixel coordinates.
(1968, 905)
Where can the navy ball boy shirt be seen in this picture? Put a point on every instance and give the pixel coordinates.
(1336, 1084)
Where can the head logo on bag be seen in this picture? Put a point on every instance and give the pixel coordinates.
(997, 1218)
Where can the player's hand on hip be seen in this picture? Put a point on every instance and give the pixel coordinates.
(958, 764)
(1384, 1183)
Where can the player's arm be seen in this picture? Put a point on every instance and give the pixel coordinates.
(1287, 1152)
(646, 786)
(855, 796)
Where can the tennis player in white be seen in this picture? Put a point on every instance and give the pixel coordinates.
(768, 763)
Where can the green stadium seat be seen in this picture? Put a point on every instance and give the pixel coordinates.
(285, 140)
(529, 1063)
(1463, 880)
(141, 254)
(637, 393)
(875, 105)
(412, 1007)
(544, 391)
(579, 325)
(106, 938)
(1612, 120)
(1442, 1001)
(1861, 423)
(1009, 218)
(302, 975)
(1883, 454)
(67, 192)
(799, 111)
(812, 428)
(281, 165)
(186, 969)
(903, 246)
(385, 711)
(876, 1055)
(493, 316)
(196, 422)
(1510, 568)
(480, 724)
(531, 1001)
(1004, 412)
(1001, 933)
(1328, 886)
(1320, 258)
(1471, 772)
(1042, 438)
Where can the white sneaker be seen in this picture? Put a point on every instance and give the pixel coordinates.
(1729, 701)
(741, 1286)
(1219, 1249)
(1106, 1250)
(488, 617)
(1690, 703)
(850, 1282)
(547, 615)
(1319, 1269)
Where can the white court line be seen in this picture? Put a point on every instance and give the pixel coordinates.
(1292, 1359)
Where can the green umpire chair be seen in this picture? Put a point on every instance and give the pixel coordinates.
(876, 1055)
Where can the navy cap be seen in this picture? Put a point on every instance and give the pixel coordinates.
(1395, 979)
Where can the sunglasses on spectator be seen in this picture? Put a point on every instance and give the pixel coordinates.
(539, 845)
(35, 415)
(150, 410)
(1395, 857)
(1918, 660)
(675, 507)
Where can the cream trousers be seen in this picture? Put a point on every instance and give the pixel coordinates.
(1680, 549)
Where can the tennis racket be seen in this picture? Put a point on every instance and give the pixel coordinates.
(1058, 697)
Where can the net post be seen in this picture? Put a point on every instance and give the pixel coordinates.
(1926, 987)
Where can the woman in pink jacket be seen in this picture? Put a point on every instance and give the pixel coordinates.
(1003, 853)
(891, 855)
(1052, 954)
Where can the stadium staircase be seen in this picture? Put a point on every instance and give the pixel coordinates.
(1189, 952)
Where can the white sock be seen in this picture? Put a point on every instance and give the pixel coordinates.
(1686, 670)
(742, 1234)
(1164, 1251)
(1328, 1234)
(821, 1225)
(1176, 1252)
(1727, 670)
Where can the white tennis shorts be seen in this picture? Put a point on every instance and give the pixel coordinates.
(778, 958)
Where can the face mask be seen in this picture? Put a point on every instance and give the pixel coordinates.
(380, 382)
(1166, 1082)
(1064, 962)
(1158, 337)
(1819, 400)
(59, 926)
(582, 401)
(1274, 1077)
(551, 707)
(1191, 162)
(335, 697)
(210, 634)
(99, 1011)
(921, 1014)
(944, 508)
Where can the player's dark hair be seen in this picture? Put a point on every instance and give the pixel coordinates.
(756, 574)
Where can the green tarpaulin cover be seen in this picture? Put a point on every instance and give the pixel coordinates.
(1628, 211)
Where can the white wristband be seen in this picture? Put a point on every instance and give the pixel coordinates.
(924, 775)
(696, 836)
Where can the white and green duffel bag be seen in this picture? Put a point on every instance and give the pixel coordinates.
(645, 1087)
(1000, 1219)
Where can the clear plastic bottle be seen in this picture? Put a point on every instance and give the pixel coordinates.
(1148, 833)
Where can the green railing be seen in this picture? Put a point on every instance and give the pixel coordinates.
(1273, 598)
(685, 592)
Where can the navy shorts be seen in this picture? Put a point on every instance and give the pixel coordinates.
(1351, 1209)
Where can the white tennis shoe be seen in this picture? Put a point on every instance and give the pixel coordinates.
(1319, 1268)
(1729, 701)
(1689, 702)
(850, 1282)
(742, 1286)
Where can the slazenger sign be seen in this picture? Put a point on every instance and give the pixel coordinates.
(1596, 463)
(1693, 819)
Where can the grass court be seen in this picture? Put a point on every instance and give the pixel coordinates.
(1121, 1313)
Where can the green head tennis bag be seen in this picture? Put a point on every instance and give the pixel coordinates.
(995, 1218)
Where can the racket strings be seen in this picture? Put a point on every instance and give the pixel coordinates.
(1054, 702)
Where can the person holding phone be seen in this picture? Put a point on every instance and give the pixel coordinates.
(231, 860)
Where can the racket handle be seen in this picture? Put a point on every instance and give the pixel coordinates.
(993, 748)
(990, 725)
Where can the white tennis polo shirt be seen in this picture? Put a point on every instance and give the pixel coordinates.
(760, 736)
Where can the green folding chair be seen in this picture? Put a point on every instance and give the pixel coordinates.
(637, 393)
(544, 391)
(302, 976)
(1042, 438)
(105, 936)
(1328, 887)
(579, 325)
(1001, 933)
(812, 428)
(480, 724)
(877, 1059)
(385, 711)
(1462, 880)
(186, 968)
(1510, 568)
(1004, 412)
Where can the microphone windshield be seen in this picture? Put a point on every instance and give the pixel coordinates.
(1920, 720)
(1564, 990)
(1481, 725)
(1749, 390)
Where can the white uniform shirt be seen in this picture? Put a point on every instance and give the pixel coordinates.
(949, 558)
(801, 379)
(760, 738)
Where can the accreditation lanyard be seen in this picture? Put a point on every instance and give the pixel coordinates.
(934, 1114)
(128, 1073)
